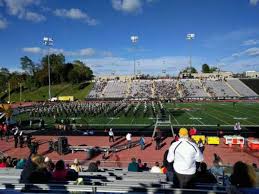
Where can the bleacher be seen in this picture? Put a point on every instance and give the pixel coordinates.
(108, 181)
(171, 88)
(166, 89)
(193, 88)
(115, 89)
(241, 88)
(141, 89)
(97, 90)
(218, 88)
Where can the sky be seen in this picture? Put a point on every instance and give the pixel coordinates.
(98, 32)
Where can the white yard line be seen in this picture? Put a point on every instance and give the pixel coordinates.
(232, 116)
(194, 117)
(219, 119)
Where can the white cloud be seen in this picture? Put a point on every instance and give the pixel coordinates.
(107, 54)
(154, 66)
(254, 2)
(34, 17)
(128, 6)
(86, 52)
(75, 14)
(19, 8)
(251, 52)
(250, 42)
(3, 23)
(34, 50)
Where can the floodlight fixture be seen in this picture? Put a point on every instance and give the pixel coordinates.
(134, 39)
(48, 41)
(190, 36)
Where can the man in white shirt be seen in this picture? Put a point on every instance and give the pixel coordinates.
(128, 138)
(184, 153)
(111, 135)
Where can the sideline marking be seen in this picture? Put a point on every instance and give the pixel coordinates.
(239, 118)
(195, 118)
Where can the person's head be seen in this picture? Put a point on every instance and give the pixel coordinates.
(38, 160)
(60, 165)
(203, 167)
(243, 175)
(157, 164)
(133, 159)
(139, 160)
(76, 161)
(183, 133)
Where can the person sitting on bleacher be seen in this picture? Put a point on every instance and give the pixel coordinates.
(3, 162)
(184, 153)
(21, 163)
(204, 176)
(60, 173)
(35, 171)
(156, 168)
(133, 166)
(94, 166)
(76, 166)
(243, 176)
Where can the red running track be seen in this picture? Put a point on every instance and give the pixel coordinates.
(122, 158)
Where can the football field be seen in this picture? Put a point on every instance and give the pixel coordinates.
(187, 114)
(180, 114)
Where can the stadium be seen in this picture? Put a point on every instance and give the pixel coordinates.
(88, 112)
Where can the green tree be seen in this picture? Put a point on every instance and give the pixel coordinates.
(27, 65)
(189, 70)
(205, 68)
(56, 65)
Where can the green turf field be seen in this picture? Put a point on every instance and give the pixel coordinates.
(182, 114)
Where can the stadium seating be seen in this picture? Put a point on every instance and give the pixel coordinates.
(141, 89)
(193, 88)
(241, 88)
(218, 88)
(115, 89)
(108, 181)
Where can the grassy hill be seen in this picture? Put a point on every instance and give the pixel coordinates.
(41, 93)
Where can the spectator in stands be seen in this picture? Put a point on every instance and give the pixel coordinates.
(21, 163)
(217, 170)
(35, 171)
(204, 176)
(128, 138)
(49, 164)
(140, 165)
(156, 168)
(184, 154)
(3, 163)
(94, 166)
(60, 173)
(243, 176)
(192, 132)
(111, 135)
(142, 142)
(76, 166)
(254, 165)
(133, 166)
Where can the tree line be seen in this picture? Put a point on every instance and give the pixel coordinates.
(35, 75)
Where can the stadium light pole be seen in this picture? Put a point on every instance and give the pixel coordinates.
(190, 37)
(134, 40)
(47, 41)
